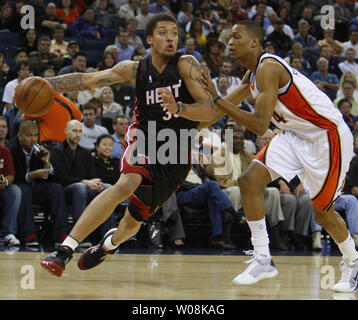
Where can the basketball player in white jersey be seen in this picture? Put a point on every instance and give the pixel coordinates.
(315, 147)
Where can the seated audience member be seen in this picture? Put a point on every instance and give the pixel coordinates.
(58, 45)
(130, 9)
(226, 69)
(76, 172)
(108, 61)
(120, 125)
(86, 26)
(4, 129)
(297, 51)
(324, 80)
(349, 75)
(198, 193)
(111, 109)
(226, 166)
(348, 92)
(34, 175)
(281, 41)
(296, 63)
(23, 71)
(72, 49)
(67, 12)
(189, 48)
(345, 107)
(326, 52)
(79, 63)
(125, 50)
(103, 14)
(43, 59)
(349, 63)
(329, 40)
(133, 39)
(309, 42)
(90, 130)
(52, 125)
(20, 55)
(29, 40)
(10, 198)
(50, 21)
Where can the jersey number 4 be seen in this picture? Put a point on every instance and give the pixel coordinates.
(279, 117)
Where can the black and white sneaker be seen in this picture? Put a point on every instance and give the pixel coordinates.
(95, 255)
(56, 261)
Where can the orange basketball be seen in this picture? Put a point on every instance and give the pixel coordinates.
(34, 96)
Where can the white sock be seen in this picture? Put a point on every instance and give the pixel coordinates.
(108, 245)
(70, 242)
(348, 249)
(259, 238)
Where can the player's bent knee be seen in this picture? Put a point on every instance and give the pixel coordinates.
(128, 183)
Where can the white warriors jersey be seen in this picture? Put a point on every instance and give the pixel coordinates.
(301, 106)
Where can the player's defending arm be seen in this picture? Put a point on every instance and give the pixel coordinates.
(125, 71)
(267, 78)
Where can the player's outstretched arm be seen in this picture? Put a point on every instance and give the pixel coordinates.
(267, 79)
(125, 71)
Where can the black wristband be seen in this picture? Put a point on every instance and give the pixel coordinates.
(178, 106)
(216, 99)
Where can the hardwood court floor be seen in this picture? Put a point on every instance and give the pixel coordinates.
(167, 277)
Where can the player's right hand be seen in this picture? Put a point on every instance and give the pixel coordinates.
(208, 84)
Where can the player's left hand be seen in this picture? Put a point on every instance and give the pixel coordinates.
(168, 100)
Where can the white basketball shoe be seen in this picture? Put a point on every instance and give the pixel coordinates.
(259, 268)
(349, 279)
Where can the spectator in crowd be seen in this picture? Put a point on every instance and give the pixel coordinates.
(19, 15)
(58, 45)
(75, 171)
(34, 175)
(315, 27)
(99, 109)
(112, 48)
(327, 82)
(3, 131)
(262, 9)
(222, 29)
(189, 48)
(29, 40)
(296, 63)
(348, 91)
(351, 43)
(50, 20)
(111, 109)
(102, 15)
(349, 63)
(196, 32)
(238, 13)
(90, 130)
(144, 15)
(158, 6)
(120, 125)
(72, 49)
(200, 192)
(345, 107)
(67, 12)
(86, 26)
(342, 15)
(226, 69)
(107, 61)
(326, 52)
(329, 40)
(4, 71)
(7, 19)
(209, 14)
(52, 124)
(133, 39)
(130, 10)
(10, 197)
(226, 173)
(42, 59)
(297, 51)
(309, 43)
(125, 50)
(79, 63)
(185, 14)
(287, 30)
(349, 75)
(23, 71)
(20, 55)
(281, 41)
(214, 56)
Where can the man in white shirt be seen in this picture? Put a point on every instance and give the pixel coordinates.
(23, 71)
(144, 16)
(349, 64)
(351, 43)
(90, 130)
(226, 68)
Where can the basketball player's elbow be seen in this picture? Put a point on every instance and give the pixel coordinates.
(260, 126)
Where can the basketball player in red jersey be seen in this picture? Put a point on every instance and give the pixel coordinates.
(315, 147)
(146, 184)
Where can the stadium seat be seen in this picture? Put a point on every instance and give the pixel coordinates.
(93, 58)
(9, 38)
(94, 45)
(109, 34)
